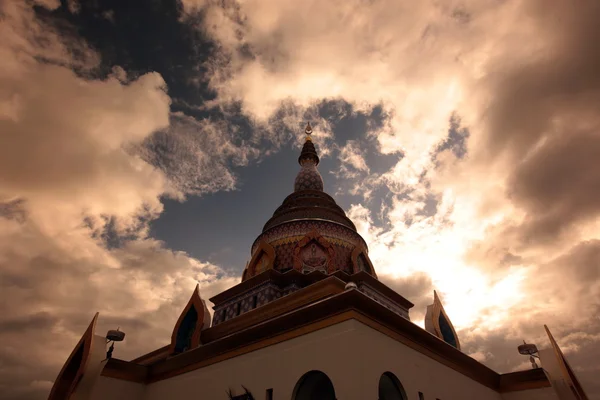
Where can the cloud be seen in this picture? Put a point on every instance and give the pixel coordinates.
(512, 177)
(76, 198)
(495, 211)
(196, 155)
(352, 160)
(49, 4)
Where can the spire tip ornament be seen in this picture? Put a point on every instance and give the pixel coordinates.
(308, 130)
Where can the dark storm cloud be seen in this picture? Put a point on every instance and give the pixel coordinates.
(39, 321)
(544, 117)
(13, 209)
(580, 268)
(583, 261)
(561, 83)
(559, 185)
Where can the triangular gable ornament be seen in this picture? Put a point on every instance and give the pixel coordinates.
(568, 375)
(438, 323)
(74, 369)
(194, 318)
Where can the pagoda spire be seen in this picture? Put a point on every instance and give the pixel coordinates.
(308, 178)
(308, 153)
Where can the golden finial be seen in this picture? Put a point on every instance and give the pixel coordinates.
(308, 131)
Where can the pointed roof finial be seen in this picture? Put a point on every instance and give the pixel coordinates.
(308, 129)
(308, 150)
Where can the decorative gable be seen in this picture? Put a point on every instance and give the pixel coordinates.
(193, 319)
(72, 372)
(262, 260)
(438, 323)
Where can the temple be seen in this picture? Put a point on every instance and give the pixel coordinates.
(309, 320)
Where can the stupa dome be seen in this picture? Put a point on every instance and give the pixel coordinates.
(309, 231)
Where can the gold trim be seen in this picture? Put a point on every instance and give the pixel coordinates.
(296, 239)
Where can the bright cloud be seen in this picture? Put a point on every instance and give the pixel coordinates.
(70, 182)
(519, 76)
(505, 228)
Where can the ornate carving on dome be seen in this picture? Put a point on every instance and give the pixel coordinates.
(262, 259)
(308, 178)
(361, 261)
(314, 253)
(314, 258)
(193, 320)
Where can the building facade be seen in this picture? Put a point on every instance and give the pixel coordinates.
(309, 320)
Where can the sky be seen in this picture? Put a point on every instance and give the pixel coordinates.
(143, 145)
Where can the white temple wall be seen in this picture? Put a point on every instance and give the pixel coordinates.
(378, 353)
(278, 367)
(117, 389)
(353, 356)
(546, 393)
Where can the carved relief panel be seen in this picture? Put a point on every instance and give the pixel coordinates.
(314, 258)
(314, 253)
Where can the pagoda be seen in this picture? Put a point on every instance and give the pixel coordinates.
(309, 320)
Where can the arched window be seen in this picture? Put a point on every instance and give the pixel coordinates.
(186, 330)
(314, 385)
(390, 388)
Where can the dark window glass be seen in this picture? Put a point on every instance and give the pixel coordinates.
(314, 385)
(390, 388)
(183, 340)
(447, 333)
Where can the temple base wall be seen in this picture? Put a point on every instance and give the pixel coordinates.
(117, 389)
(353, 355)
